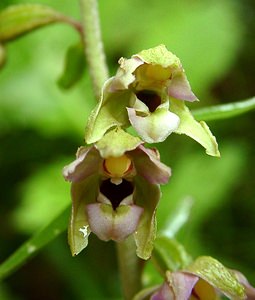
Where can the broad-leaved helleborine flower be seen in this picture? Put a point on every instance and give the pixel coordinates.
(204, 279)
(148, 92)
(115, 192)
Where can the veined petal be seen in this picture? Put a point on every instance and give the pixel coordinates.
(87, 163)
(198, 131)
(155, 127)
(148, 165)
(179, 87)
(78, 231)
(146, 195)
(124, 76)
(109, 224)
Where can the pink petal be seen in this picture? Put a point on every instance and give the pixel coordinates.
(182, 284)
(164, 293)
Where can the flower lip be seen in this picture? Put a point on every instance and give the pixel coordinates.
(116, 193)
(150, 98)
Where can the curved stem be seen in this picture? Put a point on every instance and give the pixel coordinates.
(130, 268)
(93, 44)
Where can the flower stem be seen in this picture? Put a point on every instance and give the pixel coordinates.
(93, 44)
(130, 268)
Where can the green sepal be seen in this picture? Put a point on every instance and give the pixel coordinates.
(74, 66)
(83, 192)
(198, 131)
(147, 196)
(213, 272)
(17, 20)
(116, 142)
(159, 55)
(170, 255)
(110, 111)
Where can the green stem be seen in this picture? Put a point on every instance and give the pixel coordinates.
(93, 44)
(130, 268)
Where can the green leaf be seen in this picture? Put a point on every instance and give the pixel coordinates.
(17, 20)
(198, 131)
(36, 243)
(74, 66)
(169, 254)
(218, 276)
(224, 111)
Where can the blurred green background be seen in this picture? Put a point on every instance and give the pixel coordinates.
(41, 127)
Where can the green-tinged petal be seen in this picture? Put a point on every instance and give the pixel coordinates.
(155, 127)
(170, 255)
(83, 193)
(124, 76)
(74, 66)
(20, 19)
(198, 131)
(146, 195)
(110, 112)
(2, 55)
(109, 224)
(116, 142)
(213, 272)
(159, 56)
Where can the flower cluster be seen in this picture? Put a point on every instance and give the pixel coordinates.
(115, 179)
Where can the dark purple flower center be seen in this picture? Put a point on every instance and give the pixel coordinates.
(150, 98)
(116, 193)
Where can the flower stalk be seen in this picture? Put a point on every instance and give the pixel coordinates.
(94, 49)
(130, 266)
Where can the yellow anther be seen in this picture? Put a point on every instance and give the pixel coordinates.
(117, 166)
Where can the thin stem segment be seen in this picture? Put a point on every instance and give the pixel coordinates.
(93, 44)
(130, 268)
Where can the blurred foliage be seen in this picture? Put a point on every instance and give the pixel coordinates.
(41, 126)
